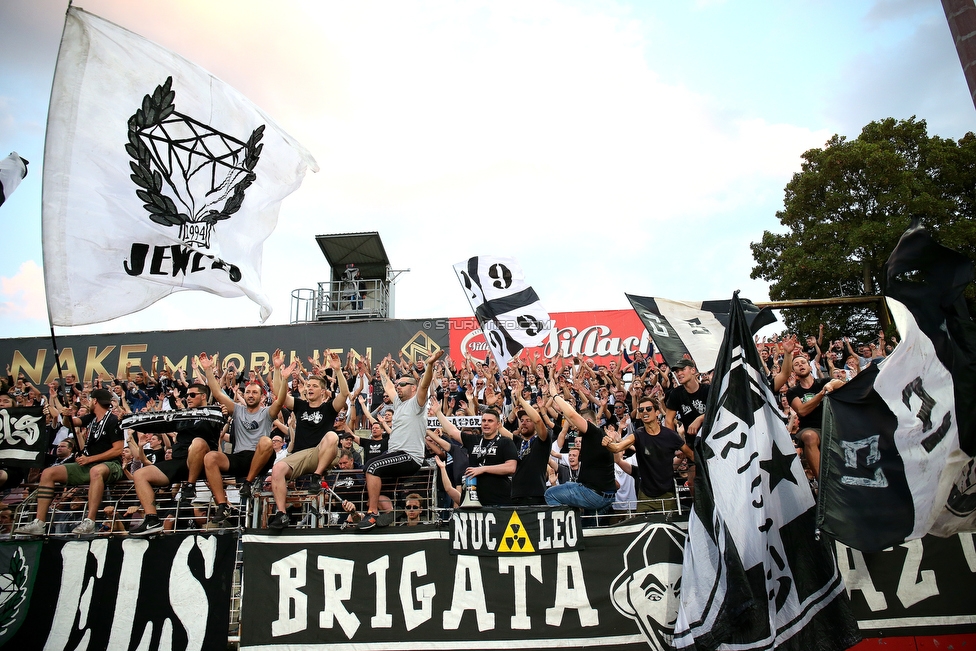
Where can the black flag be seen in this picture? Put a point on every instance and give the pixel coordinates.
(899, 439)
(756, 575)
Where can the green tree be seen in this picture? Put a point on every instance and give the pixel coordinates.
(845, 210)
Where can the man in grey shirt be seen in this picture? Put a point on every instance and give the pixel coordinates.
(406, 450)
(251, 434)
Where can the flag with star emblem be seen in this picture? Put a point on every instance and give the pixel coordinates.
(899, 439)
(755, 575)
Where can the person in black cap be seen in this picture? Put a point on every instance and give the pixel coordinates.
(97, 465)
(686, 404)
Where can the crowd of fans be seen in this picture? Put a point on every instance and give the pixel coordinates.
(610, 439)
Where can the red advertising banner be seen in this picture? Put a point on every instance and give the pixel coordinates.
(600, 335)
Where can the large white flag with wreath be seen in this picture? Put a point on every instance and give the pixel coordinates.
(158, 178)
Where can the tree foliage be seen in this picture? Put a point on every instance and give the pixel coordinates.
(847, 207)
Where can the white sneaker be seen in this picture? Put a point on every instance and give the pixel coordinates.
(87, 526)
(35, 528)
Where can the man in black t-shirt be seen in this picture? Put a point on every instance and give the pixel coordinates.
(492, 458)
(806, 399)
(316, 442)
(686, 404)
(595, 487)
(532, 444)
(656, 446)
(378, 443)
(97, 465)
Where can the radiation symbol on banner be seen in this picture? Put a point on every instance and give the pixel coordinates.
(514, 538)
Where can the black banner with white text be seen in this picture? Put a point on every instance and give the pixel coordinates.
(168, 592)
(408, 590)
(527, 530)
(23, 437)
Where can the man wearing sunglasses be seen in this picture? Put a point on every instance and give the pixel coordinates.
(194, 439)
(406, 448)
(656, 446)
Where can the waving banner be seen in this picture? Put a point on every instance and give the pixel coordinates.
(158, 178)
(899, 440)
(693, 328)
(507, 308)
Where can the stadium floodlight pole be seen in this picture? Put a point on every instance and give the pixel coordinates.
(961, 16)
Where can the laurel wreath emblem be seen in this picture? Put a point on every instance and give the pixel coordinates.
(15, 586)
(163, 210)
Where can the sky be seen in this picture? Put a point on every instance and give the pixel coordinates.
(610, 147)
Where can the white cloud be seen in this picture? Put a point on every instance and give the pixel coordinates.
(22, 295)
(539, 130)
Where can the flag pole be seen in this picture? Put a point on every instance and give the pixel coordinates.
(47, 296)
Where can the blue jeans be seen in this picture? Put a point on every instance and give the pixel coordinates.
(578, 495)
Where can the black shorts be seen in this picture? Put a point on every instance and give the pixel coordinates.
(796, 437)
(392, 464)
(14, 477)
(175, 469)
(240, 463)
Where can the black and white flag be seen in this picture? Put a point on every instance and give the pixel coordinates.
(13, 169)
(755, 574)
(23, 437)
(508, 310)
(158, 178)
(899, 439)
(169, 421)
(693, 328)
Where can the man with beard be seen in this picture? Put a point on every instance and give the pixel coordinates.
(97, 465)
(251, 435)
(806, 399)
(315, 441)
(532, 445)
(194, 439)
(655, 457)
(492, 458)
(405, 452)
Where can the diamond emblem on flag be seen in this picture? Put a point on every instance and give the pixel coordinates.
(189, 174)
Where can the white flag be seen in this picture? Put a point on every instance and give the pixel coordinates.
(158, 178)
(755, 575)
(13, 169)
(507, 308)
